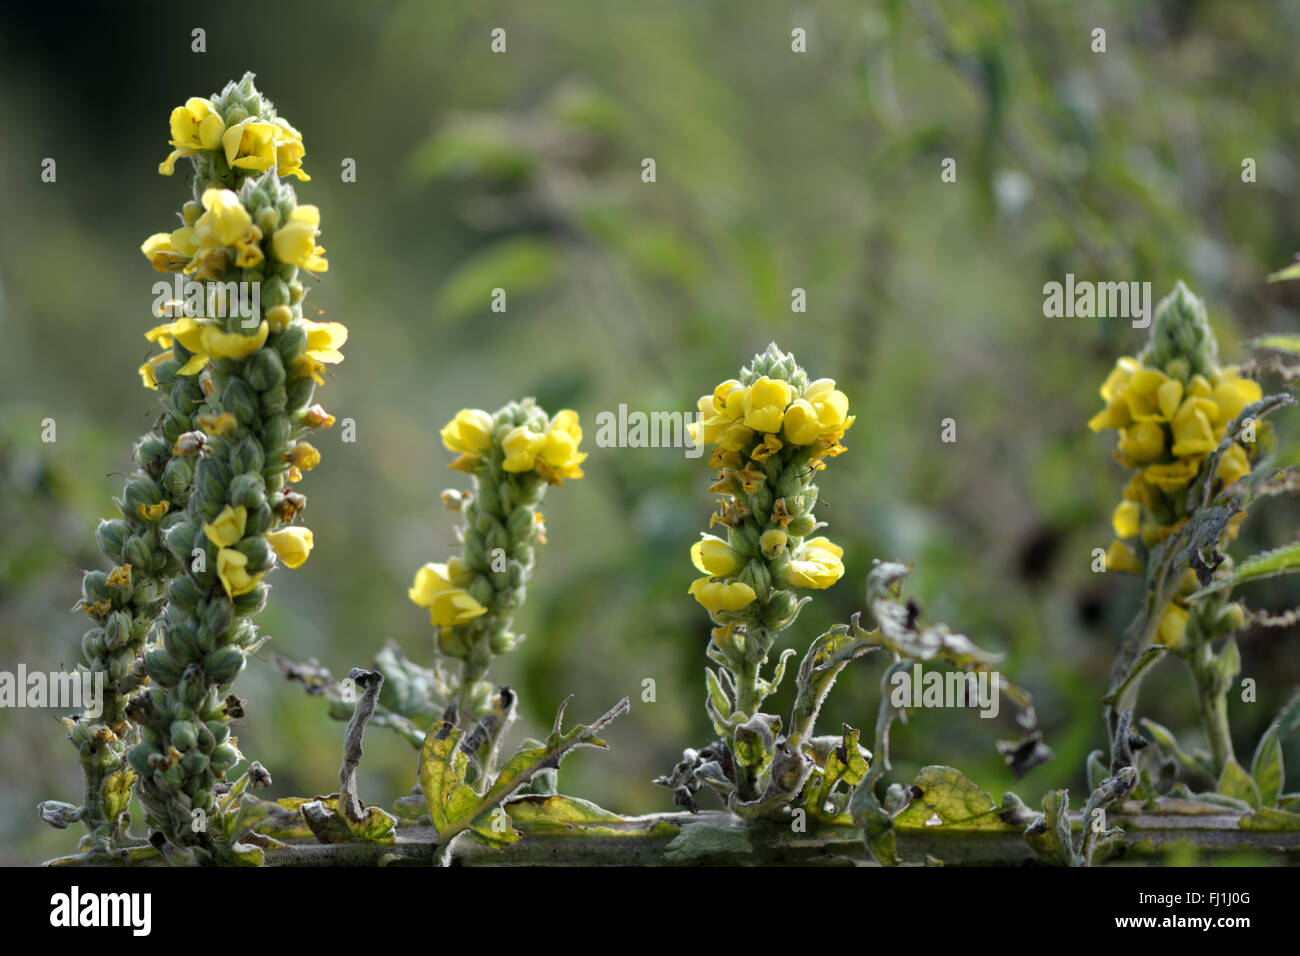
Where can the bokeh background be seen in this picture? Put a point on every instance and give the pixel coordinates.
(774, 171)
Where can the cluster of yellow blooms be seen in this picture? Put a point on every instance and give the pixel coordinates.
(773, 431)
(247, 226)
(1172, 407)
(513, 455)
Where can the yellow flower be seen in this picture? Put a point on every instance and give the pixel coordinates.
(184, 330)
(232, 569)
(1172, 476)
(228, 528)
(1233, 465)
(293, 544)
(772, 542)
(224, 221)
(153, 512)
(831, 404)
(714, 557)
(1173, 626)
(324, 340)
(1193, 434)
(1120, 557)
(231, 345)
(454, 606)
(1232, 394)
(802, 425)
(289, 151)
(765, 403)
(250, 144)
(1142, 395)
(1143, 441)
(765, 449)
(432, 579)
(295, 241)
(469, 433)
(522, 446)
(721, 595)
(195, 126)
(149, 370)
(170, 251)
(304, 456)
(559, 455)
(221, 424)
(1127, 519)
(816, 564)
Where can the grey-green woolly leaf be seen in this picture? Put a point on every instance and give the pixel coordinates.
(1097, 769)
(1266, 564)
(1050, 838)
(697, 842)
(1266, 768)
(1236, 783)
(948, 798)
(1282, 275)
(1268, 818)
(1165, 739)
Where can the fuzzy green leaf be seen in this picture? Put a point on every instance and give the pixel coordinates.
(1236, 783)
(953, 798)
(1266, 564)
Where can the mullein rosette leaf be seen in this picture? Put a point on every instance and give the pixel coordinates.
(249, 381)
(512, 456)
(772, 430)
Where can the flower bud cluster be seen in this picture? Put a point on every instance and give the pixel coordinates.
(512, 455)
(250, 381)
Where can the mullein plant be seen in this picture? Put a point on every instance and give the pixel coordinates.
(1192, 433)
(218, 469)
(512, 456)
(773, 430)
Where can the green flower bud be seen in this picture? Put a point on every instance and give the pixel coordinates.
(161, 667)
(151, 448)
(92, 644)
(247, 456)
(265, 370)
(194, 763)
(223, 758)
(138, 758)
(111, 534)
(240, 400)
(183, 735)
(94, 587)
(140, 493)
(117, 630)
(211, 478)
(252, 601)
(218, 614)
(180, 641)
(248, 490)
(300, 392)
(177, 477)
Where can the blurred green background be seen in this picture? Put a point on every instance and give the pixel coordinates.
(775, 170)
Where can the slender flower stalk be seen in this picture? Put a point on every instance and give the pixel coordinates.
(512, 455)
(246, 382)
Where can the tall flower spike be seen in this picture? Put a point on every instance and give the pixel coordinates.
(248, 386)
(512, 456)
(772, 430)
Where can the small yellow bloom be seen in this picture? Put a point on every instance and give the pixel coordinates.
(153, 512)
(817, 564)
(295, 241)
(317, 417)
(765, 449)
(1173, 627)
(559, 450)
(149, 370)
(802, 425)
(765, 403)
(195, 126)
(1143, 441)
(324, 340)
(304, 456)
(1120, 557)
(250, 144)
(454, 606)
(232, 345)
(522, 445)
(469, 433)
(1127, 519)
(1234, 464)
(831, 404)
(170, 251)
(1142, 395)
(1172, 476)
(1232, 394)
(714, 557)
(1192, 432)
(289, 151)
(228, 528)
(292, 544)
(722, 595)
(232, 569)
(434, 578)
(772, 542)
(225, 220)
(221, 424)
